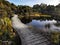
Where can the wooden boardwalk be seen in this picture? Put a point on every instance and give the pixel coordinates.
(30, 37)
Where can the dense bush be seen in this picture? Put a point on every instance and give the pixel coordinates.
(6, 30)
(55, 38)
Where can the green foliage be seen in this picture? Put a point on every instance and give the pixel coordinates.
(2, 0)
(6, 30)
(55, 37)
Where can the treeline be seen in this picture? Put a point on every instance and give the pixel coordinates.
(24, 10)
(52, 10)
(47, 9)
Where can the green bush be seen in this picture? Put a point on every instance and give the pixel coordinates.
(6, 30)
(55, 37)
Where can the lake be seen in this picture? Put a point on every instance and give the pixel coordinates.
(41, 25)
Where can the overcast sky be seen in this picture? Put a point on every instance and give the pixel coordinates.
(33, 2)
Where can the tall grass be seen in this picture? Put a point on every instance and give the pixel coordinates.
(6, 30)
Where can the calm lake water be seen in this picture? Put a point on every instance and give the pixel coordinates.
(41, 24)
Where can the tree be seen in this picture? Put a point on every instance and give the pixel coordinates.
(36, 8)
(51, 10)
(24, 9)
(43, 7)
(57, 10)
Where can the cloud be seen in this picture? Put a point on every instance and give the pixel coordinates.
(33, 2)
(49, 2)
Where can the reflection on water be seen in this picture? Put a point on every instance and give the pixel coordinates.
(41, 24)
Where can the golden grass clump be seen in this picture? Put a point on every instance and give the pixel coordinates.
(6, 30)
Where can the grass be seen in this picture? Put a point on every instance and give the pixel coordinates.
(6, 30)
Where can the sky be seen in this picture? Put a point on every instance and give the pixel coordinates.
(33, 2)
